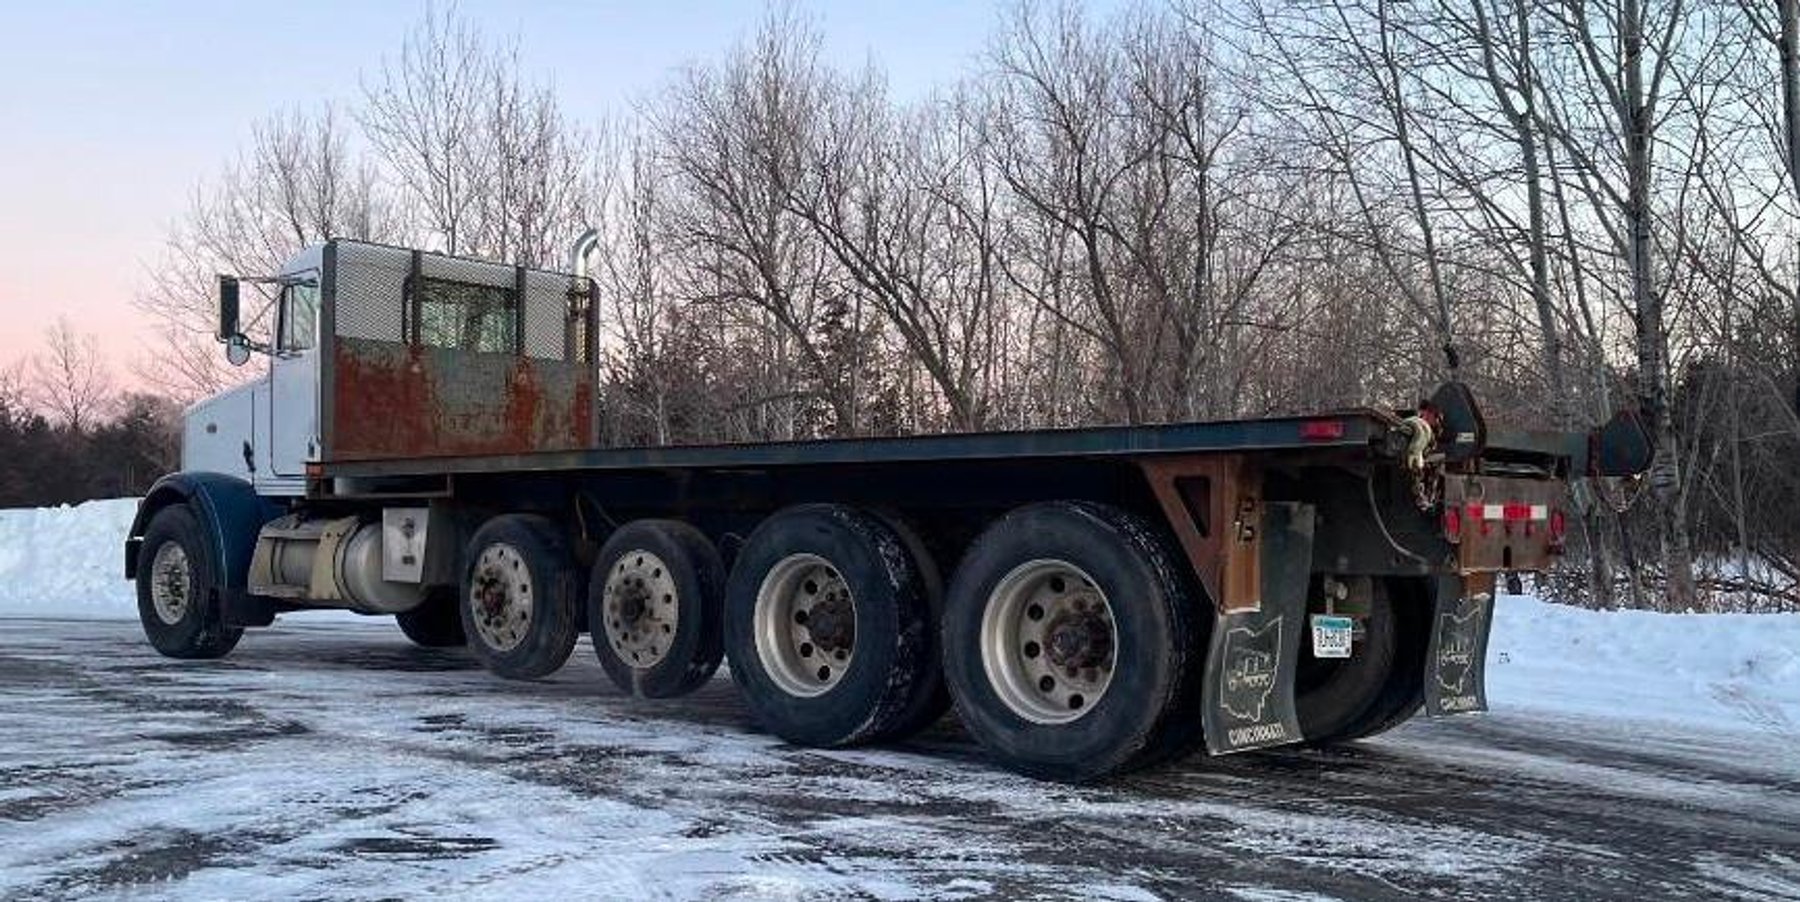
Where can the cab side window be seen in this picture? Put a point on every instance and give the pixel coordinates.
(299, 317)
(467, 316)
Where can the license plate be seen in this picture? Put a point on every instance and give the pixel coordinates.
(1331, 635)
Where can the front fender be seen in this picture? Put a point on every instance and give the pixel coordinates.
(229, 510)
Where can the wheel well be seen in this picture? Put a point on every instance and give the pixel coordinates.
(160, 497)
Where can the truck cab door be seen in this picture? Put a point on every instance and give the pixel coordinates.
(293, 408)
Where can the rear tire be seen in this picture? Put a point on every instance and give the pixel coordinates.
(827, 625)
(931, 699)
(1339, 701)
(655, 605)
(177, 583)
(520, 601)
(1069, 638)
(435, 623)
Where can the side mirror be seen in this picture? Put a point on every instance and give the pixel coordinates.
(237, 350)
(228, 309)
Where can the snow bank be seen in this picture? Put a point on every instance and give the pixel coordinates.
(1715, 670)
(1721, 670)
(67, 561)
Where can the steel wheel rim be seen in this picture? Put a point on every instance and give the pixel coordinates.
(500, 595)
(641, 608)
(1049, 643)
(171, 583)
(800, 593)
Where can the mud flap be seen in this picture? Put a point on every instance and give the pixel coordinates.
(1249, 688)
(1456, 663)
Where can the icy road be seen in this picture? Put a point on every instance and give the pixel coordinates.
(334, 760)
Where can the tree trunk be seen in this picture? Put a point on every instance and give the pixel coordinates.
(1652, 344)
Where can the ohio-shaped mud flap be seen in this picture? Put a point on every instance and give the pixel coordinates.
(1456, 662)
(1249, 691)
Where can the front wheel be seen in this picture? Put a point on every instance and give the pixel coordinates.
(1069, 642)
(177, 589)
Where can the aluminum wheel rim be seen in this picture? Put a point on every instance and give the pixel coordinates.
(171, 583)
(500, 597)
(801, 593)
(641, 607)
(1049, 642)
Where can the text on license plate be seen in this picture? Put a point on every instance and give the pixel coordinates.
(1331, 635)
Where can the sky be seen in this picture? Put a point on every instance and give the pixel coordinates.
(112, 113)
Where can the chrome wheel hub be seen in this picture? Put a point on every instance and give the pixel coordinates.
(500, 597)
(805, 625)
(641, 609)
(1048, 642)
(171, 583)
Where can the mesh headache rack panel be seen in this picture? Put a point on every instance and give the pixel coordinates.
(417, 297)
(436, 355)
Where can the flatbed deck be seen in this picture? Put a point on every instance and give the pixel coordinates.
(1347, 430)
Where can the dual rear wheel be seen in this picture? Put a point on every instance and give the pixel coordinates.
(829, 627)
(650, 603)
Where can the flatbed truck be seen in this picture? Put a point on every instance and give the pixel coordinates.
(423, 445)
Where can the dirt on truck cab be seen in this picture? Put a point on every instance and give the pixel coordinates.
(423, 446)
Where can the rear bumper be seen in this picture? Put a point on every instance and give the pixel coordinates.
(1505, 523)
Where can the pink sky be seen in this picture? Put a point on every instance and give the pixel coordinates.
(112, 112)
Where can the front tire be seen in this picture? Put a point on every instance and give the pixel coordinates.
(828, 627)
(1068, 642)
(521, 597)
(177, 589)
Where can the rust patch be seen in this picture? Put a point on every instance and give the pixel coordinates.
(1213, 505)
(394, 400)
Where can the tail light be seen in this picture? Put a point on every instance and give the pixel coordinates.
(1510, 515)
(1321, 430)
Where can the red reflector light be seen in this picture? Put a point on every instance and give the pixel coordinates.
(1321, 430)
(1453, 524)
(1558, 525)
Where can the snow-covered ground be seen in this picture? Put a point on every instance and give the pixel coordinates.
(1720, 671)
(1629, 756)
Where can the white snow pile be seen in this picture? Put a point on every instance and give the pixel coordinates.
(67, 561)
(1722, 670)
(1714, 670)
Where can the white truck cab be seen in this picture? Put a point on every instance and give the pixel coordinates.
(266, 430)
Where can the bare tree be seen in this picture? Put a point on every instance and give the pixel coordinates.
(486, 163)
(296, 184)
(422, 113)
(69, 379)
(733, 136)
(902, 202)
